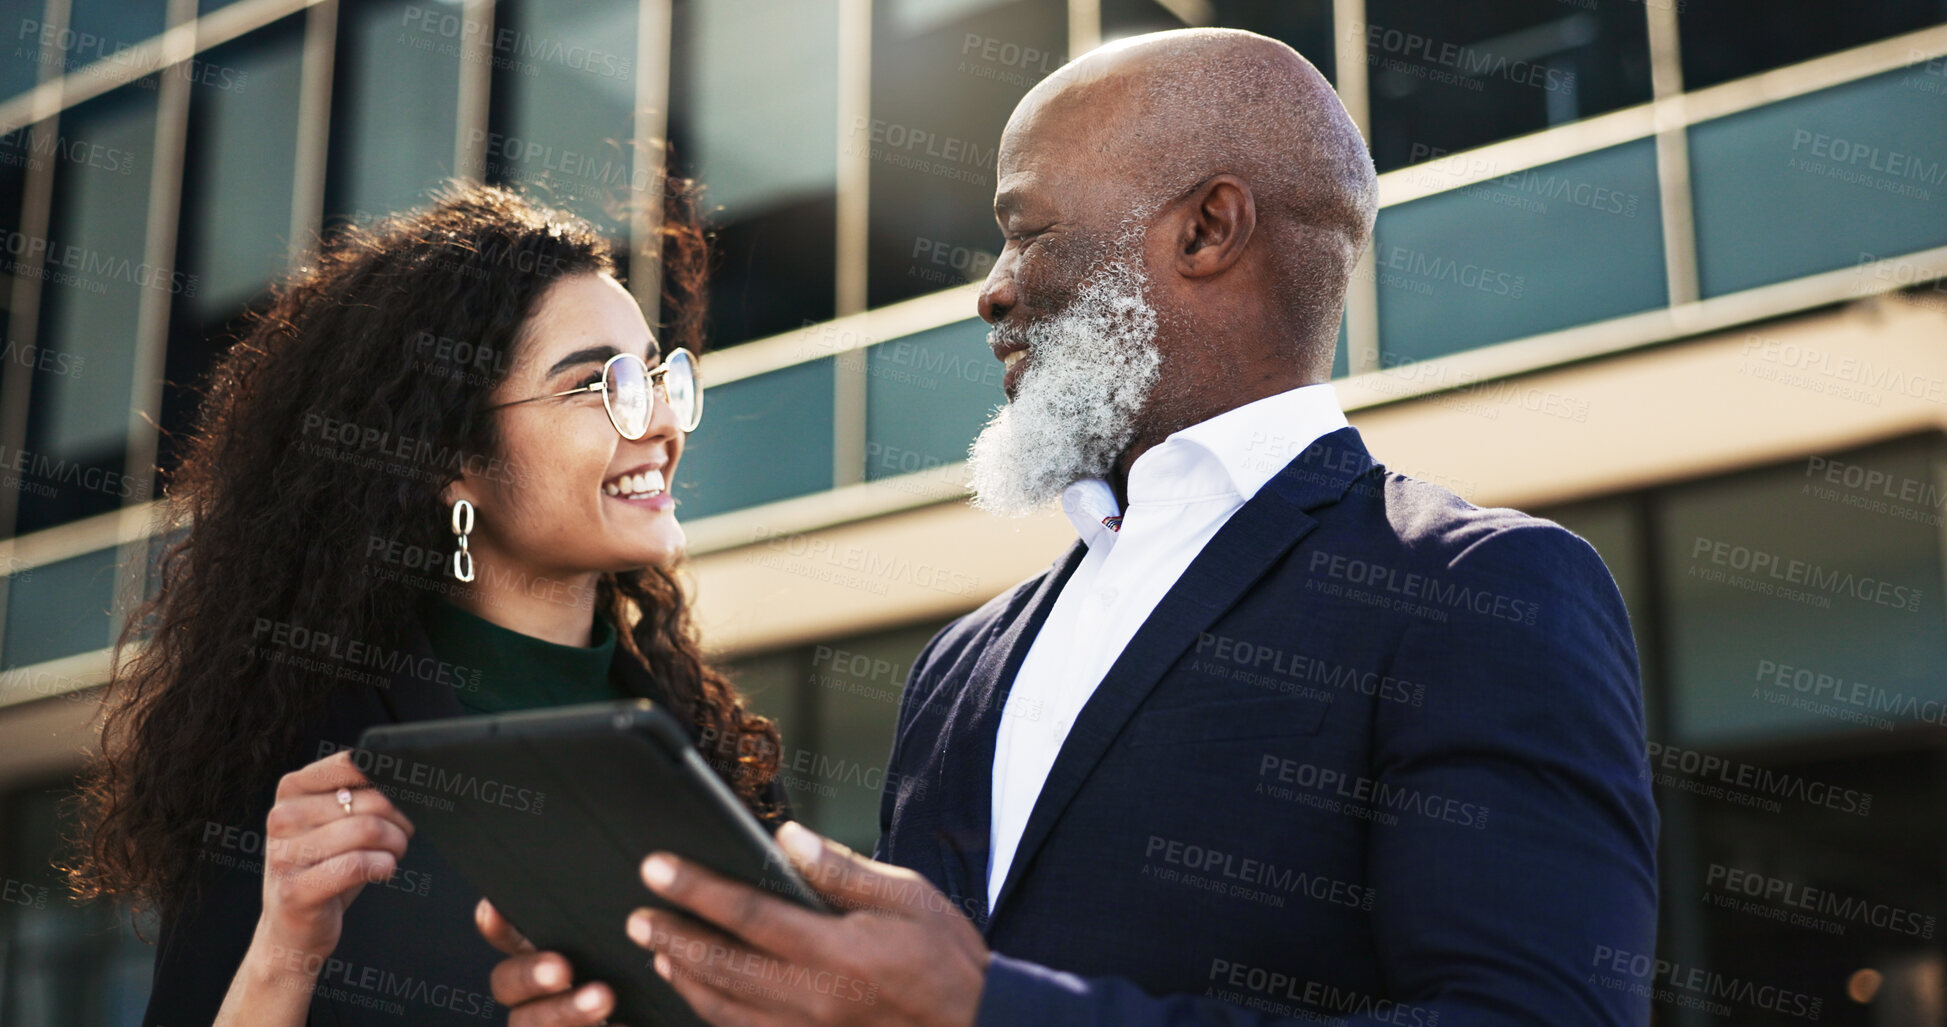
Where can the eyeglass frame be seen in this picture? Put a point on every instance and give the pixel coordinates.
(656, 384)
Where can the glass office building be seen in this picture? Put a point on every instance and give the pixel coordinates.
(1673, 272)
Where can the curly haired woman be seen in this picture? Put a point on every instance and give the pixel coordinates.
(432, 479)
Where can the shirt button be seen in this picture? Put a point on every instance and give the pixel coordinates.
(1108, 595)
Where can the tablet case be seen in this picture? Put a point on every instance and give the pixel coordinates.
(549, 813)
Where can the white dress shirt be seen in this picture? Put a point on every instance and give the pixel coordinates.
(1180, 492)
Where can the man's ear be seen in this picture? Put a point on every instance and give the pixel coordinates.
(1218, 218)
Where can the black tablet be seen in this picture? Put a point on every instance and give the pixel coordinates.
(549, 813)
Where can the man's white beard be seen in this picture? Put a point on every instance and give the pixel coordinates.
(1075, 408)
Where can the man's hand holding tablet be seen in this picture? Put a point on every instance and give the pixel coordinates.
(899, 954)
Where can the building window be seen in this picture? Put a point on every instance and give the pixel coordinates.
(1446, 77)
(61, 962)
(754, 115)
(96, 274)
(945, 77)
(239, 165)
(1304, 25)
(836, 705)
(1727, 39)
(561, 114)
(394, 108)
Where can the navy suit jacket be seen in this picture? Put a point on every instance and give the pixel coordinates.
(1377, 756)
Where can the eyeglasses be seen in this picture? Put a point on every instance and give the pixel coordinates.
(625, 388)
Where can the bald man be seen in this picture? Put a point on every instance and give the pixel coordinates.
(1283, 735)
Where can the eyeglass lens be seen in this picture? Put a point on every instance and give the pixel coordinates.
(630, 402)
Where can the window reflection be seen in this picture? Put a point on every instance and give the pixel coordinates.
(395, 106)
(59, 609)
(561, 117)
(836, 705)
(239, 163)
(21, 21)
(754, 114)
(96, 273)
(1304, 25)
(945, 76)
(1446, 77)
(1805, 601)
(63, 963)
(1727, 39)
(100, 30)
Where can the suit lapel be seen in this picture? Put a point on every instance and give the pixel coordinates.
(1260, 533)
(967, 810)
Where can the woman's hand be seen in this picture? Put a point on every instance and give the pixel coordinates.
(536, 986)
(318, 856)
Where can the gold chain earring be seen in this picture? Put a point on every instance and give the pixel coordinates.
(462, 525)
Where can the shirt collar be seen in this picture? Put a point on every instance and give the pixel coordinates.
(1234, 453)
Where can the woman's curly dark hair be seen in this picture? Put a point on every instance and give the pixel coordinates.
(195, 727)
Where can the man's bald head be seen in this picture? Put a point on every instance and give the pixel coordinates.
(1180, 214)
(1152, 117)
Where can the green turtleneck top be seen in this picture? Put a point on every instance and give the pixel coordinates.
(521, 672)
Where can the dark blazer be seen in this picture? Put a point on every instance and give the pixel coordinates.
(1378, 755)
(409, 952)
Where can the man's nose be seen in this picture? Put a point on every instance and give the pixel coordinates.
(997, 293)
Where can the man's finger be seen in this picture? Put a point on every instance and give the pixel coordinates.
(498, 932)
(724, 981)
(767, 922)
(849, 880)
(715, 1007)
(583, 1007)
(529, 976)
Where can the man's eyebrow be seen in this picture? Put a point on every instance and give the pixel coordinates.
(585, 355)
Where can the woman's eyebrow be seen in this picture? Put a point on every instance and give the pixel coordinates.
(586, 355)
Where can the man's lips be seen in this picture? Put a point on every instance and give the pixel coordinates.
(1013, 357)
(1016, 366)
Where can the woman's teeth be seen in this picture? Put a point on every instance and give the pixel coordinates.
(636, 486)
